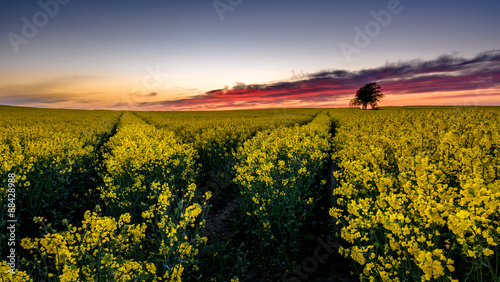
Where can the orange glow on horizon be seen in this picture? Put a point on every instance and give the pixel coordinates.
(445, 81)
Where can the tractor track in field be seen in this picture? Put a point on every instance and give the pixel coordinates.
(335, 268)
(223, 229)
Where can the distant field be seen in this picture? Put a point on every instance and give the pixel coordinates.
(394, 194)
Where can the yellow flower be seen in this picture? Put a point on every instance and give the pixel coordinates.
(488, 252)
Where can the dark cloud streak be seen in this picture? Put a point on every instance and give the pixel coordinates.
(445, 74)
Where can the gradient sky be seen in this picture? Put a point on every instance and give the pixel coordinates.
(188, 55)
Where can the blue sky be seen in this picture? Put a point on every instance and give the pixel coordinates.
(104, 54)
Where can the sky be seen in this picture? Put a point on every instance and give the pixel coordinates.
(242, 54)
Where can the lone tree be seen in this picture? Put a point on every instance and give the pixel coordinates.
(371, 93)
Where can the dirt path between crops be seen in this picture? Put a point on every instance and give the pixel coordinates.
(335, 267)
(222, 227)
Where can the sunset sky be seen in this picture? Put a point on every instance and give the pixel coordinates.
(243, 54)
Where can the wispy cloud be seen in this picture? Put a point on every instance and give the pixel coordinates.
(58, 91)
(47, 85)
(26, 99)
(446, 74)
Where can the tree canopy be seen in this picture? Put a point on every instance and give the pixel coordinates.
(371, 94)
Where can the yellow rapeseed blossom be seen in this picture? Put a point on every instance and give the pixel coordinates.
(419, 187)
